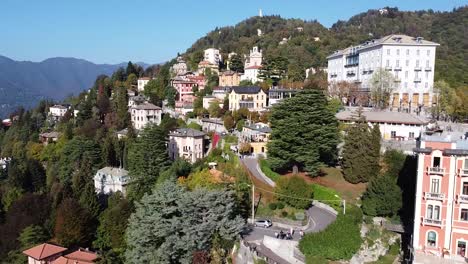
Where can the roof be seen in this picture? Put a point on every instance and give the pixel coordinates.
(122, 132)
(43, 251)
(228, 73)
(144, 79)
(146, 106)
(187, 132)
(214, 121)
(113, 171)
(58, 106)
(246, 89)
(204, 62)
(382, 117)
(260, 127)
(253, 67)
(80, 256)
(394, 39)
(52, 134)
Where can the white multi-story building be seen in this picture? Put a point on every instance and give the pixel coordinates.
(180, 68)
(110, 180)
(58, 110)
(186, 143)
(213, 56)
(145, 113)
(410, 59)
(142, 82)
(252, 65)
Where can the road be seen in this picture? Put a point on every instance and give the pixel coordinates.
(251, 163)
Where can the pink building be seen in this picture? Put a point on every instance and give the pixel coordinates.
(441, 208)
(184, 88)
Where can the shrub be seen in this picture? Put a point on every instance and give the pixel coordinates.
(290, 188)
(266, 169)
(272, 206)
(339, 241)
(280, 205)
(284, 213)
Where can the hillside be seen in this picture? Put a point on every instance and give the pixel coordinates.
(303, 51)
(24, 83)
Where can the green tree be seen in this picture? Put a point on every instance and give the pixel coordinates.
(72, 224)
(236, 64)
(147, 157)
(294, 191)
(214, 109)
(171, 94)
(382, 197)
(382, 85)
(172, 223)
(228, 122)
(274, 68)
(304, 133)
(31, 236)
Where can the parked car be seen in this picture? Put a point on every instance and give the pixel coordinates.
(263, 223)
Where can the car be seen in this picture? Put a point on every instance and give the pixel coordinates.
(263, 223)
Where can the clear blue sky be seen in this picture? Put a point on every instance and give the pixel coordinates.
(113, 31)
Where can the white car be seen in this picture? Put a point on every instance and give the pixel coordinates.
(263, 223)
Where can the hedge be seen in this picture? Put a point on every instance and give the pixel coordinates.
(327, 196)
(265, 167)
(339, 241)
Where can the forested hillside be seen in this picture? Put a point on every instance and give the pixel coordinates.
(304, 50)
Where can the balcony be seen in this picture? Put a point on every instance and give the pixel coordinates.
(435, 196)
(397, 80)
(388, 68)
(417, 79)
(397, 68)
(463, 198)
(436, 170)
(417, 68)
(432, 222)
(463, 172)
(428, 69)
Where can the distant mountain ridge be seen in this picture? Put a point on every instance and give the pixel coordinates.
(24, 83)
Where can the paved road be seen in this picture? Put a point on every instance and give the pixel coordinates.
(251, 163)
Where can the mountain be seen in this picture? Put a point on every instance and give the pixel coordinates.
(24, 83)
(309, 42)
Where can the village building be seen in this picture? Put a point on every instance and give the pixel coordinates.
(213, 125)
(221, 92)
(187, 144)
(229, 78)
(144, 114)
(121, 134)
(110, 180)
(276, 94)
(184, 88)
(393, 125)
(252, 65)
(58, 111)
(252, 98)
(136, 100)
(142, 82)
(257, 135)
(130, 93)
(44, 253)
(204, 65)
(209, 99)
(213, 56)
(179, 68)
(48, 137)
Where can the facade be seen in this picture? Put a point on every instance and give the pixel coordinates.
(441, 206)
(44, 253)
(213, 56)
(257, 135)
(276, 94)
(255, 58)
(58, 111)
(229, 78)
(110, 180)
(393, 125)
(48, 137)
(251, 97)
(251, 74)
(186, 143)
(142, 82)
(213, 125)
(145, 113)
(184, 88)
(207, 100)
(221, 92)
(411, 60)
(203, 65)
(180, 68)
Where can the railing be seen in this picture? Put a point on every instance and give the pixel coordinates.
(388, 68)
(434, 222)
(397, 68)
(428, 69)
(417, 68)
(436, 170)
(463, 198)
(435, 196)
(417, 79)
(463, 172)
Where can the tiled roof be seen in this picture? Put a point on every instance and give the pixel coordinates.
(187, 132)
(254, 67)
(146, 106)
(80, 256)
(382, 117)
(246, 89)
(43, 251)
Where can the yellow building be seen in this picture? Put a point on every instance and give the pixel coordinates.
(252, 98)
(229, 78)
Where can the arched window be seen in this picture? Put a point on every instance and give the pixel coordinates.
(431, 239)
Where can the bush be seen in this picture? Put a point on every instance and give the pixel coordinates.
(382, 197)
(290, 188)
(284, 214)
(339, 241)
(265, 167)
(272, 206)
(280, 205)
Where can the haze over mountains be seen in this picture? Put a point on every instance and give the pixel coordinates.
(24, 83)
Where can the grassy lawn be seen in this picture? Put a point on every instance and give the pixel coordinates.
(265, 167)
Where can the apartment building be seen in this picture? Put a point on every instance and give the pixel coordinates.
(251, 97)
(110, 180)
(57, 111)
(410, 59)
(229, 78)
(145, 113)
(142, 82)
(441, 205)
(186, 143)
(213, 56)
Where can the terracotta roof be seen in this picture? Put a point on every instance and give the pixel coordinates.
(82, 255)
(204, 62)
(43, 251)
(253, 67)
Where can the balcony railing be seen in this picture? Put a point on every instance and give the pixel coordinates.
(417, 79)
(436, 170)
(397, 68)
(463, 198)
(435, 196)
(417, 68)
(397, 80)
(463, 172)
(388, 68)
(433, 222)
(428, 69)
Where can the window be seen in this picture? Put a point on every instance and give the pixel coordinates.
(426, 85)
(388, 63)
(406, 84)
(436, 212)
(406, 74)
(398, 63)
(398, 52)
(436, 162)
(428, 52)
(393, 134)
(417, 52)
(407, 51)
(461, 248)
(427, 74)
(435, 185)
(388, 51)
(417, 63)
(407, 63)
(431, 239)
(464, 214)
(411, 135)
(465, 188)
(427, 63)
(465, 164)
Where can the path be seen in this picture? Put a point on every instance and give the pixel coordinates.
(251, 163)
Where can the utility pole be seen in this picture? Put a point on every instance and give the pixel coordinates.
(253, 204)
(344, 206)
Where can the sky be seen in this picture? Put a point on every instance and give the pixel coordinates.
(153, 31)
